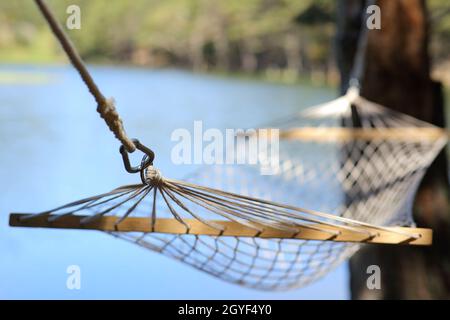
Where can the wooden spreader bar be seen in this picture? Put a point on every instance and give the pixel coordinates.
(341, 134)
(391, 235)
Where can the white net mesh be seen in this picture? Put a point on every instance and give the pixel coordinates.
(266, 264)
(373, 162)
(369, 175)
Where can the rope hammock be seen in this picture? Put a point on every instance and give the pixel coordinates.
(239, 231)
(369, 174)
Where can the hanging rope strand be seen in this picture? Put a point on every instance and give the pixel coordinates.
(361, 50)
(105, 107)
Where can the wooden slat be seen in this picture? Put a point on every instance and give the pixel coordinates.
(336, 134)
(171, 226)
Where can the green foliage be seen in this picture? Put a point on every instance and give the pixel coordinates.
(439, 11)
(318, 13)
(249, 35)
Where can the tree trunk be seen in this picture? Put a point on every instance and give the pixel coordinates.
(397, 75)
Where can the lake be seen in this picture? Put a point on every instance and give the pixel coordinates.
(56, 149)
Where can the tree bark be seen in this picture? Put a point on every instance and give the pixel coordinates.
(397, 75)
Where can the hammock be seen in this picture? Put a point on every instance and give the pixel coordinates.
(374, 161)
(369, 174)
(242, 236)
(244, 240)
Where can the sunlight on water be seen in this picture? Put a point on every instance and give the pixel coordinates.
(22, 78)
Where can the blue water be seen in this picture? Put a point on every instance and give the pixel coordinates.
(56, 149)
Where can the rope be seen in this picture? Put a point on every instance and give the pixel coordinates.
(105, 107)
(360, 56)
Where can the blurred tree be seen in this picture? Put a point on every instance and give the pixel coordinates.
(289, 37)
(397, 75)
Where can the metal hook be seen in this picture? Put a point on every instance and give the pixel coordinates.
(149, 157)
(143, 166)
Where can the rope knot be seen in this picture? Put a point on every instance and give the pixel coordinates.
(153, 176)
(107, 110)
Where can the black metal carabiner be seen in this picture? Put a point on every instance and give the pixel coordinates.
(149, 157)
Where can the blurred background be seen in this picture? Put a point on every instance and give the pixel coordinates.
(280, 40)
(232, 64)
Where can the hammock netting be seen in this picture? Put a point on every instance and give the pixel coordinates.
(357, 159)
(365, 168)
(369, 173)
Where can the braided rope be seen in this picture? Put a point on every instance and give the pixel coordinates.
(360, 55)
(106, 107)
